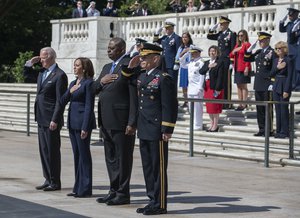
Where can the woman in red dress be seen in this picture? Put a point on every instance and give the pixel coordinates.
(241, 68)
(213, 69)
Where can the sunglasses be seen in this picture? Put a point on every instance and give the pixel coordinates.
(240, 35)
(279, 48)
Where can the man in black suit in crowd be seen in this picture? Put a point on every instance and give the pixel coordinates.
(157, 114)
(117, 110)
(79, 11)
(52, 83)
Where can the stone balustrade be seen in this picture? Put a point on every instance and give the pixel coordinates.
(89, 37)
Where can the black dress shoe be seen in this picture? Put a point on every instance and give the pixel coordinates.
(259, 134)
(118, 201)
(51, 188)
(297, 113)
(108, 197)
(71, 194)
(40, 187)
(142, 209)
(155, 211)
(280, 136)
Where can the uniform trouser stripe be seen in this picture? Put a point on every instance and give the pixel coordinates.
(162, 175)
(271, 111)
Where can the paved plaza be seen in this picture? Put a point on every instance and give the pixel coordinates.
(198, 186)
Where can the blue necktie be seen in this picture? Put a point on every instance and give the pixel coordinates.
(44, 76)
(113, 66)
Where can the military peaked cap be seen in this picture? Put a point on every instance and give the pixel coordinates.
(292, 11)
(263, 35)
(224, 20)
(149, 48)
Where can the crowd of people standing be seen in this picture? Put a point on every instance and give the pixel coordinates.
(140, 8)
(138, 93)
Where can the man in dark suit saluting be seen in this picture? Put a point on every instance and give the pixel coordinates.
(117, 109)
(52, 83)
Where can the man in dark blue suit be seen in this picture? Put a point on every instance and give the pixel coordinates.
(52, 83)
(117, 114)
(292, 30)
(170, 44)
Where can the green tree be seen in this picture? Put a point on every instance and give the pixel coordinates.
(25, 26)
(17, 69)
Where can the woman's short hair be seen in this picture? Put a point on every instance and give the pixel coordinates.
(216, 48)
(283, 46)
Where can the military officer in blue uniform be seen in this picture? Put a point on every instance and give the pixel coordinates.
(293, 33)
(170, 44)
(226, 42)
(157, 114)
(292, 28)
(264, 59)
(137, 46)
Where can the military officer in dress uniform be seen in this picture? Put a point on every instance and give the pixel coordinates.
(263, 58)
(170, 44)
(157, 114)
(226, 42)
(292, 30)
(137, 46)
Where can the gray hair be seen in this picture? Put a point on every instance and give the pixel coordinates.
(50, 51)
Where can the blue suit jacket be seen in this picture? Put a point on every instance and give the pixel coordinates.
(170, 47)
(81, 114)
(49, 92)
(292, 38)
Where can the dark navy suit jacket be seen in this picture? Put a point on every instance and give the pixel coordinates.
(46, 106)
(81, 114)
(170, 47)
(117, 107)
(292, 38)
(283, 80)
(76, 14)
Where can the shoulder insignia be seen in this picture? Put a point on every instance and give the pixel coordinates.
(127, 74)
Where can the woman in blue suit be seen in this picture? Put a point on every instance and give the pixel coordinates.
(81, 122)
(282, 88)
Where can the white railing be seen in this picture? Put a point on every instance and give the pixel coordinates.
(75, 31)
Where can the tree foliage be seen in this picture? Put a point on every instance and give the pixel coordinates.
(25, 26)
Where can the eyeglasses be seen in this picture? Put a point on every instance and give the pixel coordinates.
(240, 35)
